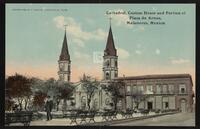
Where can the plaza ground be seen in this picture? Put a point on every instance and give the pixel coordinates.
(179, 119)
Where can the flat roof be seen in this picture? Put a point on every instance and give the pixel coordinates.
(155, 76)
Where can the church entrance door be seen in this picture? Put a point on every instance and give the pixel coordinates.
(149, 105)
(183, 105)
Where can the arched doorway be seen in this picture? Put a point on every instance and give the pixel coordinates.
(83, 102)
(95, 104)
(119, 105)
(183, 105)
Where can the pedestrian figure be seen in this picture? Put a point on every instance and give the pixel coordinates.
(48, 108)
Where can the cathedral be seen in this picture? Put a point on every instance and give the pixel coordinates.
(164, 91)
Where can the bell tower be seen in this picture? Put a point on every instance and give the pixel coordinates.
(64, 62)
(110, 58)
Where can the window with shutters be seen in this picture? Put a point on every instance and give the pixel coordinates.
(171, 88)
(149, 89)
(158, 89)
(182, 89)
(165, 89)
(128, 88)
(140, 88)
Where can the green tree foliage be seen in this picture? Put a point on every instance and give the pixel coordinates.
(38, 99)
(138, 96)
(56, 89)
(116, 91)
(19, 87)
(23, 89)
(64, 91)
(90, 85)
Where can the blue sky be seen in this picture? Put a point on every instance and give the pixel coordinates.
(34, 39)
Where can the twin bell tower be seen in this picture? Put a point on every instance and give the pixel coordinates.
(110, 60)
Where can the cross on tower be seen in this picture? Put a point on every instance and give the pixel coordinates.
(65, 26)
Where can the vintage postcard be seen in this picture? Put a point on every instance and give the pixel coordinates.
(100, 64)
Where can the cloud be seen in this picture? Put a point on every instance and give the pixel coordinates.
(60, 21)
(122, 53)
(157, 51)
(75, 30)
(179, 61)
(120, 19)
(99, 34)
(138, 52)
(90, 21)
(138, 45)
(79, 42)
(81, 56)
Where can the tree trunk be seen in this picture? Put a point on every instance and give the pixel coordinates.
(26, 101)
(88, 103)
(64, 104)
(114, 100)
(20, 103)
(58, 102)
(115, 106)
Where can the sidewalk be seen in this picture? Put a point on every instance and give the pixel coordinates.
(98, 120)
(66, 121)
(135, 118)
(178, 119)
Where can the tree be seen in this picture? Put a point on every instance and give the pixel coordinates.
(115, 90)
(49, 86)
(138, 96)
(37, 85)
(39, 94)
(39, 98)
(19, 87)
(90, 85)
(65, 91)
(9, 103)
(57, 89)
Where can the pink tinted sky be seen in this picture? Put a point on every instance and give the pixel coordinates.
(50, 70)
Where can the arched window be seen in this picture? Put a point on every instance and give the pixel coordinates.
(107, 101)
(107, 75)
(119, 104)
(68, 67)
(61, 66)
(115, 63)
(115, 74)
(95, 104)
(61, 76)
(108, 63)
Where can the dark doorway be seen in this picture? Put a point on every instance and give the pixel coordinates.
(149, 105)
